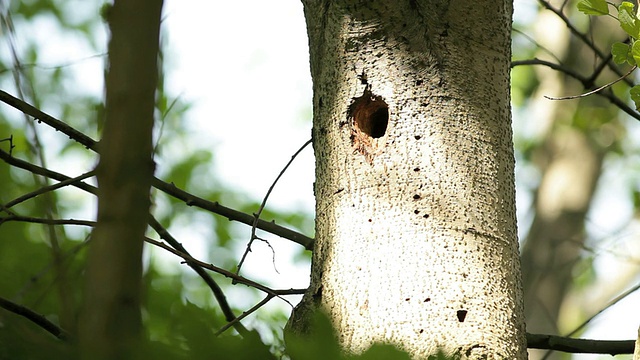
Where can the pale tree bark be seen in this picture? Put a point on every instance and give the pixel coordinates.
(110, 326)
(416, 239)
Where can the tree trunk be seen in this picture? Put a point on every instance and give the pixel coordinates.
(110, 326)
(416, 239)
(569, 157)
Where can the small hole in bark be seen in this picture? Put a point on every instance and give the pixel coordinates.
(407, 299)
(427, 299)
(416, 197)
(461, 315)
(318, 295)
(417, 137)
(371, 114)
(369, 220)
(416, 212)
(426, 216)
(416, 169)
(421, 331)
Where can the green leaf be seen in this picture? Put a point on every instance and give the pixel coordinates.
(628, 20)
(621, 53)
(635, 51)
(593, 7)
(626, 6)
(635, 95)
(319, 344)
(383, 352)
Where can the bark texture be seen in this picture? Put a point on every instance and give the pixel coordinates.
(416, 239)
(110, 326)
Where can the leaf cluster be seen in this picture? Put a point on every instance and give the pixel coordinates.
(622, 52)
(322, 344)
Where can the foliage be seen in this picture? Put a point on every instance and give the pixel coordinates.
(623, 52)
(322, 344)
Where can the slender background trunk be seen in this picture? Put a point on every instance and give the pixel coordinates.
(415, 231)
(110, 326)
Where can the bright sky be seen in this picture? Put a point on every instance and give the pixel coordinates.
(244, 66)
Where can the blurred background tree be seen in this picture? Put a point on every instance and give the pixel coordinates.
(576, 168)
(577, 252)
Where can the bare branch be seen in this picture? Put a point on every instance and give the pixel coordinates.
(170, 189)
(584, 346)
(229, 274)
(244, 314)
(36, 113)
(25, 165)
(183, 195)
(538, 45)
(215, 288)
(594, 90)
(47, 221)
(45, 189)
(264, 202)
(34, 317)
(610, 304)
(231, 214)
(583, 38)
(607, 93)
(554, 66)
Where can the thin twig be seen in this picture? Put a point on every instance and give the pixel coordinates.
(607, 93)
(47, 221)
(264, 202)
(583, 38)
(236, 278)
(244, 314)
(10, 140)
(45, 270)
(215, 288)
(36, 113)
(579, 346)
(91, 189)
(595, 90)
(167, 188)
(34, 317)
(48, 204)
(188, 198)
(610, 304)
(40, 66)
(45, 189)
(183, 195)
(232, 214)
(554, 66)
(533, 41)
(25, 165)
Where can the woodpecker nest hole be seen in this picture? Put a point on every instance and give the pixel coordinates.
(369, 114)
